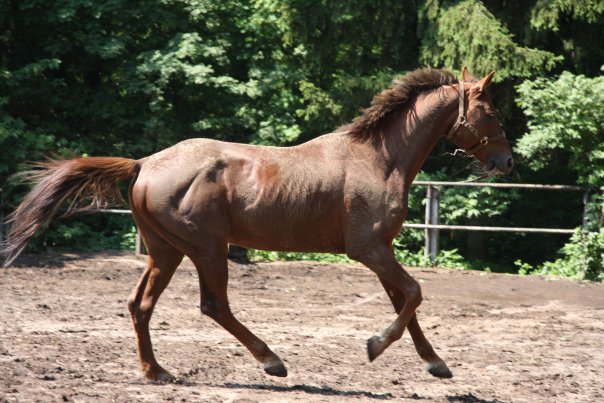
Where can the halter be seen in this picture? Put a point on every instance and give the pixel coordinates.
(463, 121)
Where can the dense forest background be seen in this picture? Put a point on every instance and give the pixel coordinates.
(126, 78)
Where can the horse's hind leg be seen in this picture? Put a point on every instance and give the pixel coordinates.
(436, 366)
(162, 261)
(213, 273)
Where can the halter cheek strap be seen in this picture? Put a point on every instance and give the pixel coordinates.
(463, 121)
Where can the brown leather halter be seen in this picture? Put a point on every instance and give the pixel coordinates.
(463, 121)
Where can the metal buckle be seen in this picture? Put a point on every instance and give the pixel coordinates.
(484, 141)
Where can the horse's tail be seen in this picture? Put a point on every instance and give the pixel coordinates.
(89, 183)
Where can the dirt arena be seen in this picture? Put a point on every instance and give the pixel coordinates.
(66, 335)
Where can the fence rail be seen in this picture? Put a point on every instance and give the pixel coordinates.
(490, 229)
(432, 227)
(500, 185)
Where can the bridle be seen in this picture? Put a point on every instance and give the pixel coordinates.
(463, 121)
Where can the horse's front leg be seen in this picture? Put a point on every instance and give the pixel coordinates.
(436, 366)
(380, 259)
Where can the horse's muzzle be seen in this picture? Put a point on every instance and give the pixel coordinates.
(500, 163)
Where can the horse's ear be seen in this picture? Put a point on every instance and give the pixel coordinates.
(465, 74)
(484, 83)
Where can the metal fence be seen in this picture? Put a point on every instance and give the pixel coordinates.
(431, 225)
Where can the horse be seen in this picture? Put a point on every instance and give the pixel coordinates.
(343, 192)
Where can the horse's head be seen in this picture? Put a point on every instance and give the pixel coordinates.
(477, 130)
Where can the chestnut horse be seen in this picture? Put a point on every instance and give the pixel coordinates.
(344, 192)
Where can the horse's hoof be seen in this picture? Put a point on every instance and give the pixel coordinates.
(374, 347)
(276, 369)
(440, 370)
(160, 375)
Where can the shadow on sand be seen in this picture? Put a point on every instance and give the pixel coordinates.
(313, 390)
(470, 398)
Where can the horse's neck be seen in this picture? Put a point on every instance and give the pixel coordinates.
(410, 137)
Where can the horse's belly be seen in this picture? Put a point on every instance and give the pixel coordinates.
(282, 244)
(284, 232)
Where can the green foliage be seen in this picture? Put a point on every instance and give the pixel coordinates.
(566, 120)
(582, 258)
(461, 204)
(468, 34)
(566, 128)
(128, 238)
(256, 255)
(546, 14)
(447, 258)
(570, 28)
(89, 232)
(523, 267)
(450, 259)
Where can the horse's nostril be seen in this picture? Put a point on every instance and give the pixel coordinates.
(510, 162)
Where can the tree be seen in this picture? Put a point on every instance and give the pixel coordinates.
(566, 121)
(467, 33)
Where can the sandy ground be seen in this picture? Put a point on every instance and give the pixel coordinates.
(66, 335)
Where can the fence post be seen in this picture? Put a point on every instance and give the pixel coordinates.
(1, 224)
(1, 218)
(586, 200)
(427, 222)
(139, 248)
(431, 218)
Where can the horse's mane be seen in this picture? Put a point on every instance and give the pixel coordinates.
(399, 94)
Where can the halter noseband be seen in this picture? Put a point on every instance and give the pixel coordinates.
(463, 121)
